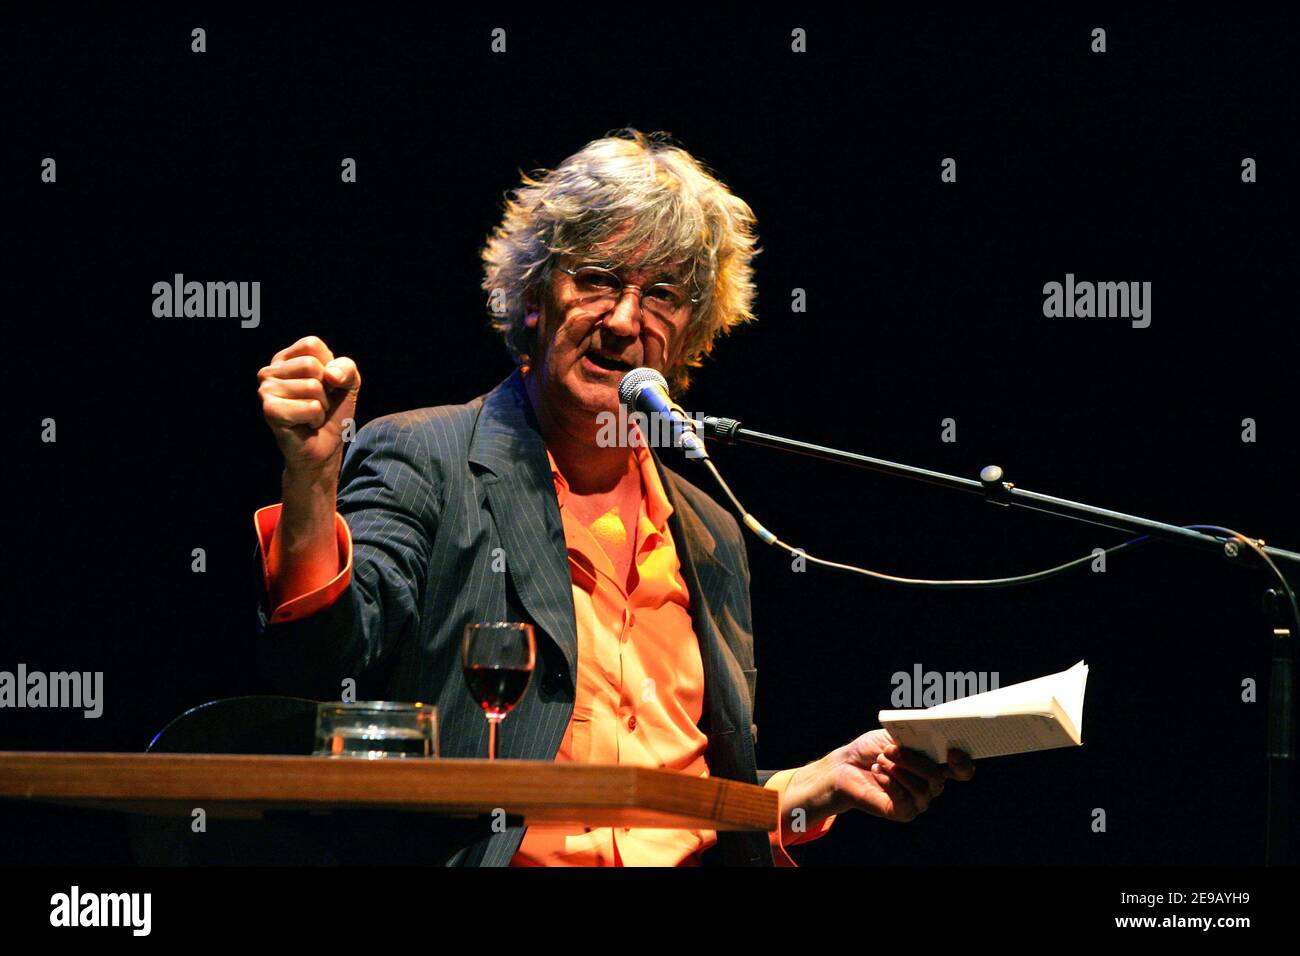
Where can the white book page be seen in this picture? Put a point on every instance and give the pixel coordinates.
(1031, 695)
(979, 738)
(1070, 694)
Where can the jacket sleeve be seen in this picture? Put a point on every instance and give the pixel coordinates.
(747, 622)
(777, 780)
(389, 500)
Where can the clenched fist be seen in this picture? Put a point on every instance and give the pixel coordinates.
(308, 396)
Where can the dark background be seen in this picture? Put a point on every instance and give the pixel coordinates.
(924, 302)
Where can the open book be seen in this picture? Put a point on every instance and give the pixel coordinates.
(1038, 714)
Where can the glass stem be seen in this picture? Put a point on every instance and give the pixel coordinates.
(493, 721)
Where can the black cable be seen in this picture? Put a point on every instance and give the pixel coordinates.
(953, 584)
(942, 584)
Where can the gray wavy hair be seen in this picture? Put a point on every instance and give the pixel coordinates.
(676, 208)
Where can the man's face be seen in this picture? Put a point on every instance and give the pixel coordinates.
(588, 341)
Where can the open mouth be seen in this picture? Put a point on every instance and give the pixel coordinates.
(608, 363)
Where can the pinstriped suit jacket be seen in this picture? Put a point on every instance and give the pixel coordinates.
(430, 496)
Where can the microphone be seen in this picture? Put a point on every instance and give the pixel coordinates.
(646, 391)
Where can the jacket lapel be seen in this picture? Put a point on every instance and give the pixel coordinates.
(508, 445)
(708, 579)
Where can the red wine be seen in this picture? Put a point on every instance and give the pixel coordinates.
(497, 689)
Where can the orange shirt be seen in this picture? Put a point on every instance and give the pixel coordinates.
(640, 680)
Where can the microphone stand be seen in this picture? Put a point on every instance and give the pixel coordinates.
(1281, 734)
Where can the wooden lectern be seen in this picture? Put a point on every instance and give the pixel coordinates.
(241, 761)
(247, 787)
(318, 810)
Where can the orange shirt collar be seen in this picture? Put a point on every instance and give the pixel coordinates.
(657, 506)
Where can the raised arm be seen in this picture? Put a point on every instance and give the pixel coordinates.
(344, 557)
(308, 399)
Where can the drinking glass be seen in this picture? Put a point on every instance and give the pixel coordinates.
(376, 729)
(497, 659)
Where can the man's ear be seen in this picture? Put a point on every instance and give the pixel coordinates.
(532, 314)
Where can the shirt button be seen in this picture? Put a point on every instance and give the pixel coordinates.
(631, 722)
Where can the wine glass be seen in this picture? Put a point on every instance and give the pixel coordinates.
(497, 660)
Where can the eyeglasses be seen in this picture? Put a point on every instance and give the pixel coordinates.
(601, 288)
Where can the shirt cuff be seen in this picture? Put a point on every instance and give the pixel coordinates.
(304, 605)
(782, 836)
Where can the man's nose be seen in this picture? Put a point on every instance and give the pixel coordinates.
(625, 317)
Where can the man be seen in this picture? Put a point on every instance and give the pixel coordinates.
(509, 508)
